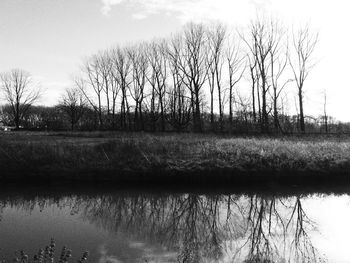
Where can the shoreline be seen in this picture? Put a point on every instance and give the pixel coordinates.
(290, 185)
(213, 177)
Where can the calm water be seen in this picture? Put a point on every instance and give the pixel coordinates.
(137, 226)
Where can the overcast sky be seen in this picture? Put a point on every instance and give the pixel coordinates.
(49, 38)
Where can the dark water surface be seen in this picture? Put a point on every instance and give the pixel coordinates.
(166, 226)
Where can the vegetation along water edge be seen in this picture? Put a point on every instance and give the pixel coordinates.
(169, 157)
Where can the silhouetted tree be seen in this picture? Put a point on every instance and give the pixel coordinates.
(139, 65)
(20, 93)
(254, 82)
(236, 67)
(93, 79)
(304, 43)
(122, 70)
(158, 59)
(278, 65)
(263, 38)
(179, 102)
(216, 42)
(73, 105)
(193, 65)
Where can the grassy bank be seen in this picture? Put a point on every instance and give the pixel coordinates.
(169, 157)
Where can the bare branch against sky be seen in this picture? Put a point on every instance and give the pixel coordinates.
(49, 38)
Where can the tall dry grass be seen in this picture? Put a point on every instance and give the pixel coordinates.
(172, 153)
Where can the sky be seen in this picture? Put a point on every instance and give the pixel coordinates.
(49, 38)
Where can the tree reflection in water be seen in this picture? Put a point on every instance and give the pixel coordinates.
(227, 228)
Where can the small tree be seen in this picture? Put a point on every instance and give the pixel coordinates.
(20, 93)
(73, 104)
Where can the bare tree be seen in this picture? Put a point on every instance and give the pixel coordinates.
(179, 104)
(216, 40)
(122, 71)
(104, 67)
(263, 38)
(158, 60)
(73, 104)
(166, 78)
(179, 101)
(152, 55)
(114, 82)
(255, 81)
(93, 78)
(20, 93)
(139, 63)
(193, 65)
(236, 68)
(304, 43)
(279, 61)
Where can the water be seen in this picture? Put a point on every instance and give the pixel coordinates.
(157, 226)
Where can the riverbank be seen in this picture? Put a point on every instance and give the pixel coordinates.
(171, 158)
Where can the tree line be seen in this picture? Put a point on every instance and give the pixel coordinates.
(191, 81)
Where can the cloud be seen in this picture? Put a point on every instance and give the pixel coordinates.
(105, 258)
(230, 11)
(107, 5)
(185, 10)
(139, 16)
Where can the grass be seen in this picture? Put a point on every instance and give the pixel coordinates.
(169, 157)
(47, 255)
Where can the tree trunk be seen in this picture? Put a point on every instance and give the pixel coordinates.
(198, 123)
(17, 116)
(220, 110)
(265, 117)
(231, 110)
(275, 111)
(253, 102)
(212, 111)
(301, 109)
(162, 118)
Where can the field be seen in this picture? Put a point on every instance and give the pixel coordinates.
(191, 158)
